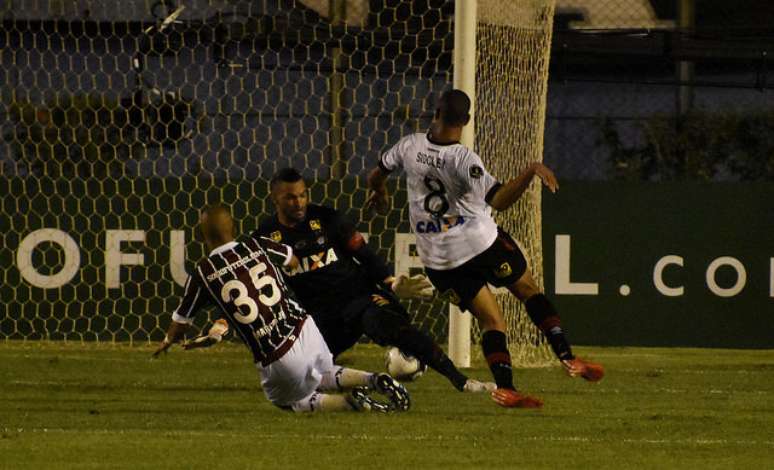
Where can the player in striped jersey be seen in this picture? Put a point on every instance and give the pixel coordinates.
(243, 279)
(450, 196)
(346, 287)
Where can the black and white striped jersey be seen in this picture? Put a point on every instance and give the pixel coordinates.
(243, 279)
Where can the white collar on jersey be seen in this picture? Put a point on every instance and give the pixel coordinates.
(223, 247)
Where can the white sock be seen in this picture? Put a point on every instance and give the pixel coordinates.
(341, 378)
(322, 403)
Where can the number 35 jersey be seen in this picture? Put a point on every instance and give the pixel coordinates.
(448, 190)
(243, 279)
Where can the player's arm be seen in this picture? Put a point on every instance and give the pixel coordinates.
(214, 335)
(278, 253)
(346, 236)
(174, 333)
(410, 287)
(194, 299)
(504, 196)
(403, 286)
(378, 196)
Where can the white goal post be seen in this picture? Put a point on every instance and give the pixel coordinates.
(501, 55)
(465, 16)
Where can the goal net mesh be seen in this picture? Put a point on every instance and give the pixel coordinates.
(513, 44)
(118, 127)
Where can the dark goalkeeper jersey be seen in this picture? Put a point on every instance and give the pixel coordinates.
(243, 279)
(336, 264)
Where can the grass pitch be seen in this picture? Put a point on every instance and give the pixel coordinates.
(110, 406)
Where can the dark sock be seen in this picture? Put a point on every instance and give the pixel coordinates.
(495, 347)
(544, 316)
(414, 342)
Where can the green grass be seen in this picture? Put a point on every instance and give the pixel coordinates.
(109, 406)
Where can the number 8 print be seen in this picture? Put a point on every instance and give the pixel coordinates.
(435, 201)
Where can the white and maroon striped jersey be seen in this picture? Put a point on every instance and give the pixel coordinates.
(448, 194)
(243, 279)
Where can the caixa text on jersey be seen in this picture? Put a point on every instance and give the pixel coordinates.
(442, 224)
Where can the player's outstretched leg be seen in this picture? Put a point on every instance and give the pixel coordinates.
(390, 387)
(494, 344)
(356, 400)
(359, 400)
(388, 325)
(342, 379)
(544, 316)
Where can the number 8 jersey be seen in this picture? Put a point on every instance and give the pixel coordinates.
(243, 280)
(448, 191)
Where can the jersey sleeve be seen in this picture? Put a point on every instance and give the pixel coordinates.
(346, 237)
(278, 253)
(479, 181)
(194, 299)
(393, 159)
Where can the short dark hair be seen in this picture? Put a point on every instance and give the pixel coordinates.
(285, 175)
(454, 108)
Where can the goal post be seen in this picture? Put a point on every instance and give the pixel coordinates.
(121, 119)
(465, 17)
(501, 55)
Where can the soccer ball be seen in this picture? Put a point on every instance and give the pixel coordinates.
(402, 366)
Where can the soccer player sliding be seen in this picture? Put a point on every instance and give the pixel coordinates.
(243, 279)
(344, 285)
(451, 196)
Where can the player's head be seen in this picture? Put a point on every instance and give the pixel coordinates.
(289, 194)
(453, 108)
(217, 225)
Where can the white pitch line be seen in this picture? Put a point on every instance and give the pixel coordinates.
(368, 437)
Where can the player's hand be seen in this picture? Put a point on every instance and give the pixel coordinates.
(200, 342)
(546, 176)
(214, 335)
(377, 202)
(162, 348)
(412, 287)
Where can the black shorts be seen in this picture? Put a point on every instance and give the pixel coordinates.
(502, 264)
(343, 327)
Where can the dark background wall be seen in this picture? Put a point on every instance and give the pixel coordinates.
(652, 162)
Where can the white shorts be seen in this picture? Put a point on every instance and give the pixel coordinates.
(297, 374)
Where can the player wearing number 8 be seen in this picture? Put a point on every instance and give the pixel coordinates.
(243, 279)
(451, 196)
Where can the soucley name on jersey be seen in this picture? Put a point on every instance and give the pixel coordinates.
(430, 160)
(439, 225)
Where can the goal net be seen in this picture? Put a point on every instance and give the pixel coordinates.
(123, 118)
(513, 43)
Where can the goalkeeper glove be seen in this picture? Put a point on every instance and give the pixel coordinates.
(217, 331)
(412, 287)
